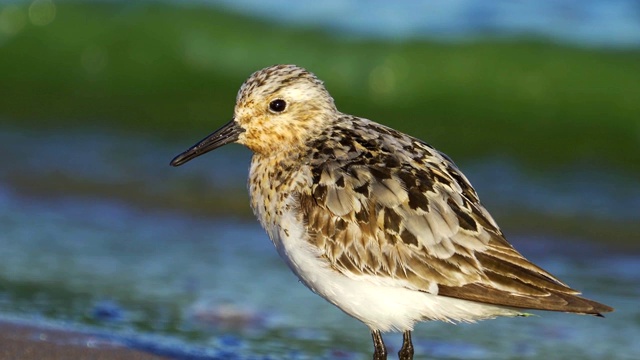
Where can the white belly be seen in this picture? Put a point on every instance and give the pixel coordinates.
(381, 303)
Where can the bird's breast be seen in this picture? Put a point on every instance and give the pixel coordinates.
(273, 189)
(272, 183)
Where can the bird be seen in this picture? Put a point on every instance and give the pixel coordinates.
(375, 221)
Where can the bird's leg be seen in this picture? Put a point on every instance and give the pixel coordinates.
(406, 352)
(380, 351)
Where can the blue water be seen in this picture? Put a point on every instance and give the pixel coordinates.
(608, 23)
(593, 23)
(211, 285)
(164, 278)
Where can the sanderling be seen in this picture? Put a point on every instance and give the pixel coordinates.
(375, 221)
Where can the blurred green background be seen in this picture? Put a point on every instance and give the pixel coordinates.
(171, 70)
(174, 71)
(96, 97)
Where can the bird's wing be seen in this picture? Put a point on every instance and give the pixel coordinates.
(417, 221)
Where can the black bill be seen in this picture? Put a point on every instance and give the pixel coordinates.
(226, 134)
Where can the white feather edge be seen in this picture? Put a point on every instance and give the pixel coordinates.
(381, 303)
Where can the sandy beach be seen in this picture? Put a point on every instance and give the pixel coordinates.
(24, 341)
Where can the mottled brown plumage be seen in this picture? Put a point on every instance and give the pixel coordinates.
(383, 203)
(377, 222)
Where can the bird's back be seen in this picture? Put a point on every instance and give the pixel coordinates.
(378, 202)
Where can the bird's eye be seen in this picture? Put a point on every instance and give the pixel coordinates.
(278, 105)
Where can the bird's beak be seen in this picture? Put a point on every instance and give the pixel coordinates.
(226, 134)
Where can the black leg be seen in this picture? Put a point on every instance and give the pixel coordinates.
(406, 352)
(380, 351)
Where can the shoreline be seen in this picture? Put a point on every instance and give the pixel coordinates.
(24, 340)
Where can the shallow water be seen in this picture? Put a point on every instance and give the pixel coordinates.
(599, 23)
(165, 278)
(592, 23)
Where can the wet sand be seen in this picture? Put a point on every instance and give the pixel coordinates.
(24, 341)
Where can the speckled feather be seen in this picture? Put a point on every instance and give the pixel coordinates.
(375, 221)
(378, 202)
(383, 203)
